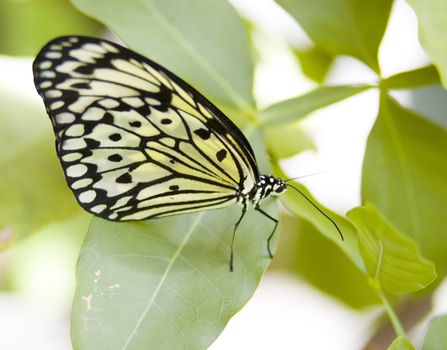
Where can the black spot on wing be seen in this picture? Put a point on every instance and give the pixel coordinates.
(124, 179)
(135, 124)
(174, 188)
(85, 69)
(221, 155)
(81, 85)
(108, 118)
(204, 134)
(166, 121)
(115, 137)
(91, 143)
(115, 158)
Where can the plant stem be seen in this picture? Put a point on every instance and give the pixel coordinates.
(392, 315)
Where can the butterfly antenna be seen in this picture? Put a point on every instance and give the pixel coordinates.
(316, 207)
(302, 176)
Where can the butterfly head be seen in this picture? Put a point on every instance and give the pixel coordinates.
(272, 185)
(278, 185)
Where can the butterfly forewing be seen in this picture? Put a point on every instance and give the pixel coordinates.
(134, 140)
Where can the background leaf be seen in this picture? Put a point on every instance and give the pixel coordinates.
(433, 31)
(48, 19)
(343, 27)
(418, 77)
(400, 343)
(391, 258)
(165, 283)
(210, 54)
(285, 141)
(404, 175)
(436, 337)
(306, 253)
(315, 63)
(298, 107)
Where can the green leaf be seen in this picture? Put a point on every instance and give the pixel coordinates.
(433, 31)
(32, 185)
(392, 259)
(404, 174)
(332, 272)
(185, 37)
(285, 141)
(298, 107)
(414, 78)
(400, 343)
(299, 205)
(315, 63)
(166, 284)
(17, 17)
(436, 336)
(343, 27)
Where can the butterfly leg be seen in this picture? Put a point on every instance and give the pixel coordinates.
(274, 229)
(244, 209)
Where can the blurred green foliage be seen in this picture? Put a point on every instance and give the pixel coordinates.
(415, 78)
(297, 251)
(315, 63)
(148, 269)
(25, 26)
(343, 27)
(429, 102)
(401, 343)
(299, 107)
(37, 267)
(432, 21)
(32, 187)
(435, 335)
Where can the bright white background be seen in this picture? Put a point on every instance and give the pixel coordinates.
(285, 313)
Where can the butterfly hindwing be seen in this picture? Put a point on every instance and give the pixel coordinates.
(134, 140)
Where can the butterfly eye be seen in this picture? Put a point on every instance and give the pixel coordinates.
(280, 188)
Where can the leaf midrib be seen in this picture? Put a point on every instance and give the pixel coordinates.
(163, 278)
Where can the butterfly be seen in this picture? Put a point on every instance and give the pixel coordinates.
(137, 142)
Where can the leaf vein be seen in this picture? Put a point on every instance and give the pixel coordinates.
(163, 279)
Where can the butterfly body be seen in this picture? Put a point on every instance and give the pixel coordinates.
(266, 186)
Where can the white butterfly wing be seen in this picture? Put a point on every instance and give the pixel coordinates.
(134, 140)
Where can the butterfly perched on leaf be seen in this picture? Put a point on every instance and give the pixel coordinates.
(137, 142)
